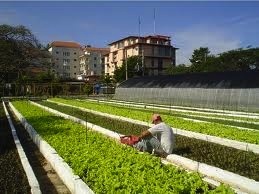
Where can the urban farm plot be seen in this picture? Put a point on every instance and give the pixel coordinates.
(214, 129)
(241, 162)
(105, 165)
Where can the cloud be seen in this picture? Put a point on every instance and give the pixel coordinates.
(242, 20)
(215, 38)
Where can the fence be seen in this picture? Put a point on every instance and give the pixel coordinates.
(45, 89)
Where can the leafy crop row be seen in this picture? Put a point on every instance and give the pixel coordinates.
(177, 111)
(243, 122)
(105, 165)
(224, 122)
(144, 115)
(237, 161)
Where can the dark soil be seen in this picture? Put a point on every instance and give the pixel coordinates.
(12, 176)
(49, 181)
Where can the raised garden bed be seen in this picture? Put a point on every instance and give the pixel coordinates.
(105, 165)
(144, 115)
(241, 162)
(247, 116)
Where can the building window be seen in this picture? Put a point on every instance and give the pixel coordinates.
(74, 53)
(66, 61)
(94, 65)
(75, 60)
(121, 44)
(66, 54)
(57, 52)
(152, 72)
(160, 64)
(161, 51)
(57, 59)
(74, 66)
(167, 51)
(74, 73)
(152, 63)
(95, 58)
(66, 67)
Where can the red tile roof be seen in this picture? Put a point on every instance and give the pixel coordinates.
(65, 44)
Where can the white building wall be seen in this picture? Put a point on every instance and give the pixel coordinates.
(91, 63)
(65, 61)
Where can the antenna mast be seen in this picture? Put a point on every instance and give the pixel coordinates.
(138, 26)
(154, 21)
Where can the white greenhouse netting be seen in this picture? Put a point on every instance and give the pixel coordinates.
(230, 91)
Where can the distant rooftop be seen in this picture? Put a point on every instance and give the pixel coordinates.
(161, 37)
(68, 44)
(93, 49)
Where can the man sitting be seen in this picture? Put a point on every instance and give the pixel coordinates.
(158, 139)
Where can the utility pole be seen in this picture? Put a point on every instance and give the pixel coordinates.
(126, 64)
(139, 26)
(143, 68)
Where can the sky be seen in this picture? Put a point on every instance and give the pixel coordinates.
(221, 25)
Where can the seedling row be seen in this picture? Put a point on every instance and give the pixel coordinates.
(105, 165)
(144, 115)
(249, 117)
(240, 162)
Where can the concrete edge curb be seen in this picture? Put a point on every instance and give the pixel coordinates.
(71, 180)
(148, 105)
(219, 140)
(33, 182)
(239, 183)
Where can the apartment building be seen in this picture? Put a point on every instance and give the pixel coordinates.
(156, 52)
(92, 61)
(65, 59)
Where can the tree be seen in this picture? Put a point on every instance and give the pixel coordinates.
(240, 59)
(87, 89)
(199, 58)
(200, 55)
(19, 48)
(134, 65)
(179, 69)
(107, 79)
(234, 60)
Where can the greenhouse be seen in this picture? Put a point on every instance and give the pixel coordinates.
(224, 90)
